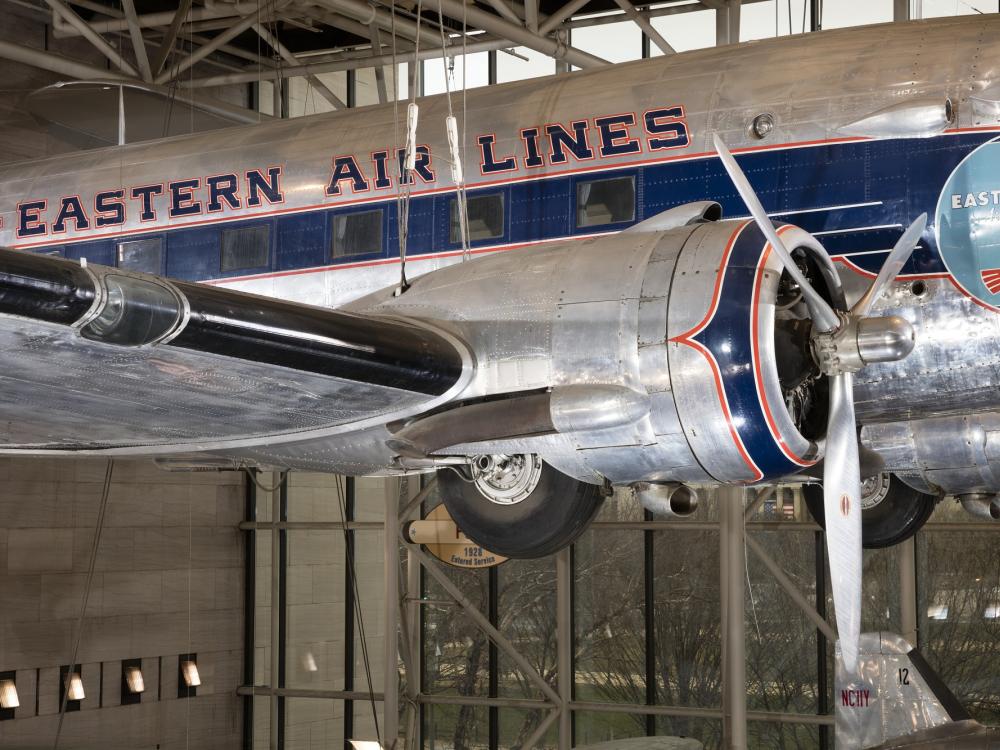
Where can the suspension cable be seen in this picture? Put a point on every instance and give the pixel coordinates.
(91, 565)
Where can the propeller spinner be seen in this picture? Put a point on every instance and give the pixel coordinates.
(842, 343)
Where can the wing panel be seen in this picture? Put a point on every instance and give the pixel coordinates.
(98, 359)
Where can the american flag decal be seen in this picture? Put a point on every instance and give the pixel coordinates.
(991, 278)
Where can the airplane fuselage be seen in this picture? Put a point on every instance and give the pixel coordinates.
(836, 131)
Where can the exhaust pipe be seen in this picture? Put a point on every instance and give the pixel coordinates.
(982, 505)
(671, 499)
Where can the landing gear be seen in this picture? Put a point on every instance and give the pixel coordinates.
(517, 505)
(891, 511)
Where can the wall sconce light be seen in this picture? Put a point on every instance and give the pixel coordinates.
(76, 687)
(309, 662)
(188, 677)
(8, 696)
(71, 686)
(133, 684)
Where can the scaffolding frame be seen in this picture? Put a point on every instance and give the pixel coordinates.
(403, 633)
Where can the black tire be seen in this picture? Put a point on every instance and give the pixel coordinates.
(552, 516)
(897, 517)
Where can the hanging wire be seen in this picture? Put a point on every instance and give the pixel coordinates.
(91, 565)
(455, 144)
(746, 567)
(351, 568)
(405, 178)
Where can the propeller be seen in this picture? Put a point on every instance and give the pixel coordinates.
(842, 344)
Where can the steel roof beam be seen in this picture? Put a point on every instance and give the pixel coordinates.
(183, 8)
(138, 43)
(380, 87)
(54, 63)
(59, 8)
(486, 21)
(288, 57)
(367, 14)
(333, 66)
(531, 15)
(63, 66)
(556, 19)
(505, 10)
(669, 10)
(647, 28)
(228, 35)
(164, 18)
(184, 34)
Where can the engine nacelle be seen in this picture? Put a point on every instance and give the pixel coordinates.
(952, 455)
(680, 356)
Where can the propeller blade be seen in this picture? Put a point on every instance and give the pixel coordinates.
(824, 318)
(842, 508)
(892, 266)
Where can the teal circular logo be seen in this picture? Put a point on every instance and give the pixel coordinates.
(968, 224)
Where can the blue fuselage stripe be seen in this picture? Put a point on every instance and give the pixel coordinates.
(881, 183)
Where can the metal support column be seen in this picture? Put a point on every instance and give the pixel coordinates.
(822, 668)
(649, 599)
(250, 587)
(733, 585)
(727, 23)
(410, 621)
(907, 559)
(564, 645)
(350, 606)
(275, 609)
(815, 15)
(563, 37)
(390, 684)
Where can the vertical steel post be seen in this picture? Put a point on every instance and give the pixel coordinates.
(390, 560)
(249, 603)
(282, 564)
(494, 658)
(727, 23)
(900, 10)
(906, 557)
(731, 502)
(564, 36)
(350, 606)
(822, 670)
(649, 597)
(275, 608)
(414, 619)
(815, 15)
(564, 645)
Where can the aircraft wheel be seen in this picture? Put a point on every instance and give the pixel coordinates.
(891, 510)
(518, 506)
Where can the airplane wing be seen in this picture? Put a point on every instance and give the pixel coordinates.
(98, 359)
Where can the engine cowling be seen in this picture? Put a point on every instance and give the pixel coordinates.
(738, 352)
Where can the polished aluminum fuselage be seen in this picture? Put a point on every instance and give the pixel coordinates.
(528, 331)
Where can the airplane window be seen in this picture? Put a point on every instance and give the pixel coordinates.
(246, 247)
(145, 255)
(485, 217)
(357, 234)
(605, 201)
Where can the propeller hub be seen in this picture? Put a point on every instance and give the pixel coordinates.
(862, 341)
(887, 339)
